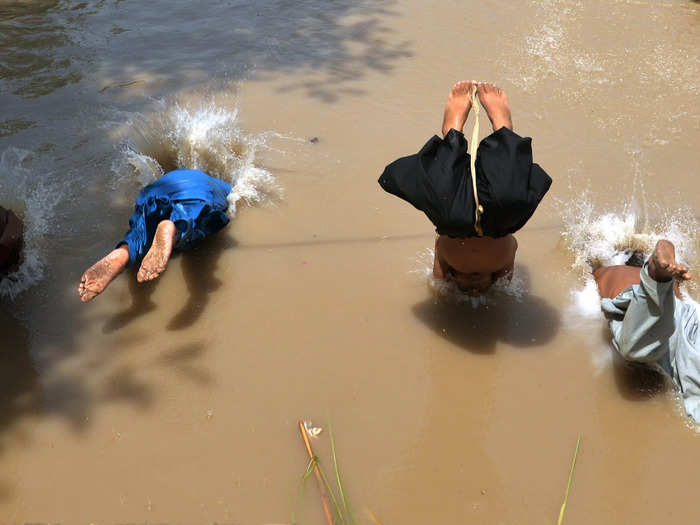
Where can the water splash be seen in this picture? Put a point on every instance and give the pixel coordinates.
(514, 288)
(200, 136)
(594, 238)
(34, 202)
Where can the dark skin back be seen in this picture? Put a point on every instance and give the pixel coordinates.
(612, 280)
(663, 267)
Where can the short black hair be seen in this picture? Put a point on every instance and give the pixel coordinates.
(636, 259)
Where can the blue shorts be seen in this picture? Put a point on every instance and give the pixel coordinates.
(193, 200)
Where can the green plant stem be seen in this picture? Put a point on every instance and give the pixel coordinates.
(346, 506)
(568, 486)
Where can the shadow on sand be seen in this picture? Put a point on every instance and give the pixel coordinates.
(634, 381)
(528, 322)
(19, 378)
(199, 271)
(141, 303)
(638, 382)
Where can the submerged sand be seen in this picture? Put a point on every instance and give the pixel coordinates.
(178, 401)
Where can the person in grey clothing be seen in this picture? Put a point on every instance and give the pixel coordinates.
(649, 322)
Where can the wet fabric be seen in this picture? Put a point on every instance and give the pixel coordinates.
(437, 181)
(193, 200)
(11, 231)
(649, 324)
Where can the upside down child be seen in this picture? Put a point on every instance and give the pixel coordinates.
(475, 216)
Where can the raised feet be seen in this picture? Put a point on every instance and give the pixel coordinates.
(99, 275)
(157, 258)
(496, 105)
(663, 266)
(459, 102)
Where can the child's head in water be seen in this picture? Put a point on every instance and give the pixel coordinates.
(473, 283)
(474, 265)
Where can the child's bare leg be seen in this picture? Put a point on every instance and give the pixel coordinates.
(156, 260)
(496, 104)
(99, 275)
(459, 102)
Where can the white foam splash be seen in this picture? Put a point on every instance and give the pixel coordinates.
(144, 168)
(514, 288)
(606, 239)
(34, 203)
(594, 238)
(204, 137)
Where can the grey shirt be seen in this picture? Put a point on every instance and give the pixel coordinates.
(651, 325)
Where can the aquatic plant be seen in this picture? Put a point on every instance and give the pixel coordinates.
(341, 510)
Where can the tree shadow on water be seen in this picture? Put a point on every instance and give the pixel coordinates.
(141, 303)
(20, 391)
(525, 323)
(341, 40)
(183, 360)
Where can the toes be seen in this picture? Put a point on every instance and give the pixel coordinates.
(462, 87)
(87, 295)
(146, 275)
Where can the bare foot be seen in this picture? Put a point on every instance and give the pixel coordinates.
(99, 275)
(496, 105)
(459, 102)
(663, 266)
(157, 258)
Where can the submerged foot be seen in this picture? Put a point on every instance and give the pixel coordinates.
(663, 266)
(99, 275)
(495, 103)
(157, 258)
(459, 102)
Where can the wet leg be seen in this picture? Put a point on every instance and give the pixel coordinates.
(99, 275)
(459, 102)
(496, 104)
(156, 260)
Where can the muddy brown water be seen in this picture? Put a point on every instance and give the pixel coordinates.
(177, 401)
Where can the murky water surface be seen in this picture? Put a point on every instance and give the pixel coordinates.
(178, 401)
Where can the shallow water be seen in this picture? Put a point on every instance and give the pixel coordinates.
(178, 401)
